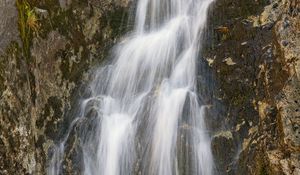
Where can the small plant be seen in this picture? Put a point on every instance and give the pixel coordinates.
(32, 21)
(28, 24)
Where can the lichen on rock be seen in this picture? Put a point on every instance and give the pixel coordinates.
(37, 93)
(259, 91)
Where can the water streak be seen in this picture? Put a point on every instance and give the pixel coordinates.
(147, 118)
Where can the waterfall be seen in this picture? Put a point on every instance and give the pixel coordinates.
(144, 115)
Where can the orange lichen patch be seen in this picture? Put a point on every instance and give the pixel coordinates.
(222, 29)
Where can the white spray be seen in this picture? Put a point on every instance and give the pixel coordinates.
(147, 98)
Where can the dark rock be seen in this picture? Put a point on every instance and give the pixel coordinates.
(85, 92)
(224, 150)
(263, 132)
(275, 5)
(269, 26)
(92, 113)
(284, 43)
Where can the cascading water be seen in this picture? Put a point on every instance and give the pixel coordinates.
(147, 117)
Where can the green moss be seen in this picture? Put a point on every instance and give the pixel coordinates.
(27, 24)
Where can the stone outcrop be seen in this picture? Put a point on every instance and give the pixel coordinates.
(252, 53)
(67, 39)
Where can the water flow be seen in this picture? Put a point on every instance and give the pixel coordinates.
(144, 115)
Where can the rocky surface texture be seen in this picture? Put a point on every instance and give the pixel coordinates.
(253, 56)
(251, 60)
(8, 23)
(47, 48)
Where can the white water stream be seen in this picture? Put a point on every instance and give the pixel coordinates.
(148, 118)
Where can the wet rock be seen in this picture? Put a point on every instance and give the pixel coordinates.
(93, 113)
(85, 92)
(184, 149)
(223, 148)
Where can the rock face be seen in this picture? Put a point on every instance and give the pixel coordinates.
(67, 39)
(8, 23)
(250, 59)
(253, 54)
